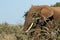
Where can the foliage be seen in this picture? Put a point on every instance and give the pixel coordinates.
(56, 5)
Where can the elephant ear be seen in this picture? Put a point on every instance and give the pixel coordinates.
(47, 12)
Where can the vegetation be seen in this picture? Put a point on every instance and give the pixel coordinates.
(11, 32)
(56, 5)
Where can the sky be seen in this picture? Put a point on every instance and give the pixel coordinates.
(12, 11)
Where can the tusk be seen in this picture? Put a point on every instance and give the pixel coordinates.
(29, 27)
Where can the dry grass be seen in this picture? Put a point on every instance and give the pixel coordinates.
(12, 32)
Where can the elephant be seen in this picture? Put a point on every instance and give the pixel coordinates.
(44, 11)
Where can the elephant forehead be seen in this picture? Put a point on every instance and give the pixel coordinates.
(34, 9)
(45, 11)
